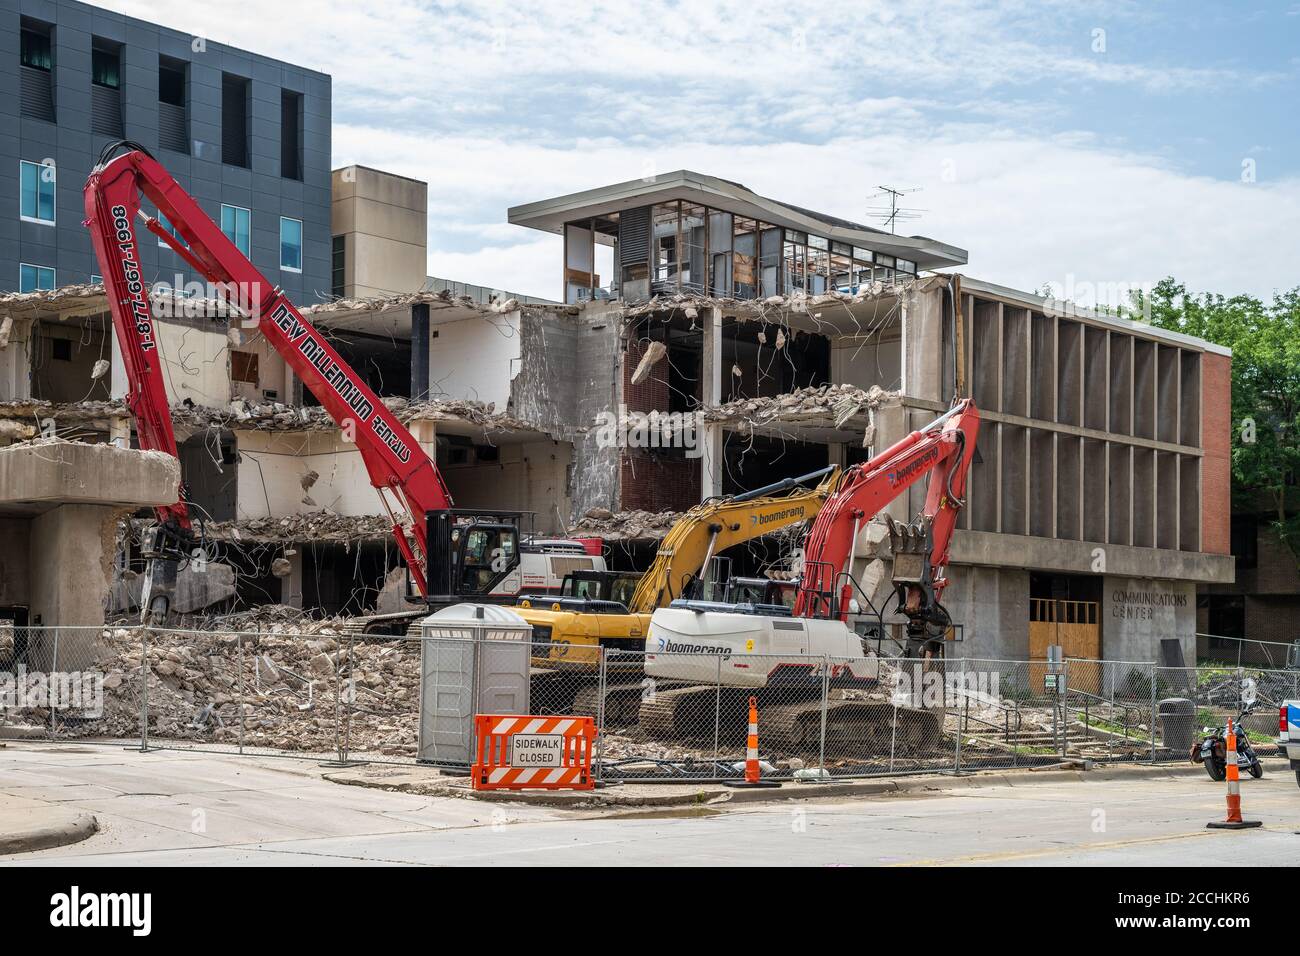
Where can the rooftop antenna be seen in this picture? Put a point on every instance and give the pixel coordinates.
(887, 211)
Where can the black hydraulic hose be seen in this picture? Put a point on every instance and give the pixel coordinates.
(784, 484)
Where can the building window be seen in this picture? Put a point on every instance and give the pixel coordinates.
(235, 224)
(234, 120)
(37, 192)
(173, 123)
(290, 244)
(105, 88)
(243, 367)
(105, 69)
(290, 134)
(34, 278)
(36, 90)
(338, 272)
(96, 280)
(37, 51)
(168, 227)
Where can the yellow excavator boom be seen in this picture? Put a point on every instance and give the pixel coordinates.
(720, 523)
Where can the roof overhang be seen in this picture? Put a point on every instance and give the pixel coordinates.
(550, 215)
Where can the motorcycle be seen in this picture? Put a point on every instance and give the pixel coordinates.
(1213, 749)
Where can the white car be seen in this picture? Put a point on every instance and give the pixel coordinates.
(1288, 740)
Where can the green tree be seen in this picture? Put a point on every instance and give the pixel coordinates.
(1265, 343)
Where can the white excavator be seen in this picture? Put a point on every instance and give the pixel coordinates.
(783, 654)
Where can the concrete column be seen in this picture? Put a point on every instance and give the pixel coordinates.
(426, 434)
(711, 394)
(15, 363)
(118, 385)
(71, 548)
(420, 351)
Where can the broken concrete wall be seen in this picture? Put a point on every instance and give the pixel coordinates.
(194, 360)
(274, 466)
(526, 476)
(475, 358)
(65, 358)
(870, 360)
(922, 308)
(570, 371)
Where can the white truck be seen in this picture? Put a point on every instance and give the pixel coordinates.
(1288, 739)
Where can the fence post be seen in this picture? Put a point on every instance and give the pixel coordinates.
(351, 701)
(144, 689)
(339, 745)
(54, 670)
(1062, 702)
(602, 685)
(964, 691)
(239, 684)
(1152, 724)
(826, 693)
(717, 712)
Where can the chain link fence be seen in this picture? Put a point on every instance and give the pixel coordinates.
(339, 697)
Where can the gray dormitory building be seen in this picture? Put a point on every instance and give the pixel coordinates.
(246, 135)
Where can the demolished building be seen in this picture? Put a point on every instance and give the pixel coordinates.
(711, 341)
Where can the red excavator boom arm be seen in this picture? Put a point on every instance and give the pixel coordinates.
(396, 465)
(943, 450)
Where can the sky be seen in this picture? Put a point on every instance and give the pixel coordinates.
(1085, 147)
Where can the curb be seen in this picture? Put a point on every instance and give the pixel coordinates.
(44, 836)
(582, 800)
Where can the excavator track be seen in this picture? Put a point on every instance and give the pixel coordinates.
(854, 728)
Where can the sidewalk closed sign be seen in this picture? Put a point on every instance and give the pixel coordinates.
(527, 751)
(536, 750)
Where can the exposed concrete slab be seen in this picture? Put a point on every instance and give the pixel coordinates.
(42, 475)
(68, 497)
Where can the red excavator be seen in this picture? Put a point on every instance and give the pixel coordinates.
(452, 554)
(784, 654)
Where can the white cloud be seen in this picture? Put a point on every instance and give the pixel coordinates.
(496, 104)
(1029, 209)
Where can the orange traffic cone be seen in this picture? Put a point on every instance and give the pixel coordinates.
(1234, 821)
(753, 770)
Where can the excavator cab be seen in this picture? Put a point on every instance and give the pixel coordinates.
(588, 592)
(470, 553)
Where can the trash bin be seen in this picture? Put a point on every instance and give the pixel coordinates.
(1177, 723)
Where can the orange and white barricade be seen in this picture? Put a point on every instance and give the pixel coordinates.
(518, 752)
(1234, 820)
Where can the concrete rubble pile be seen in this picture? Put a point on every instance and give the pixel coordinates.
(837, 404)
(625, 524)
(287, 675)
(312, 526)
(692, 305)
(26, 416)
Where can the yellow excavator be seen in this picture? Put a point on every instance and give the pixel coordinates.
(612, 609)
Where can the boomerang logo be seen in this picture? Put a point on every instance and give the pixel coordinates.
(908, 472)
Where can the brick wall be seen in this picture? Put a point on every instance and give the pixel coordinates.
(1216, 469)
(651, 395)
(1273, 618)
(656, 482)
